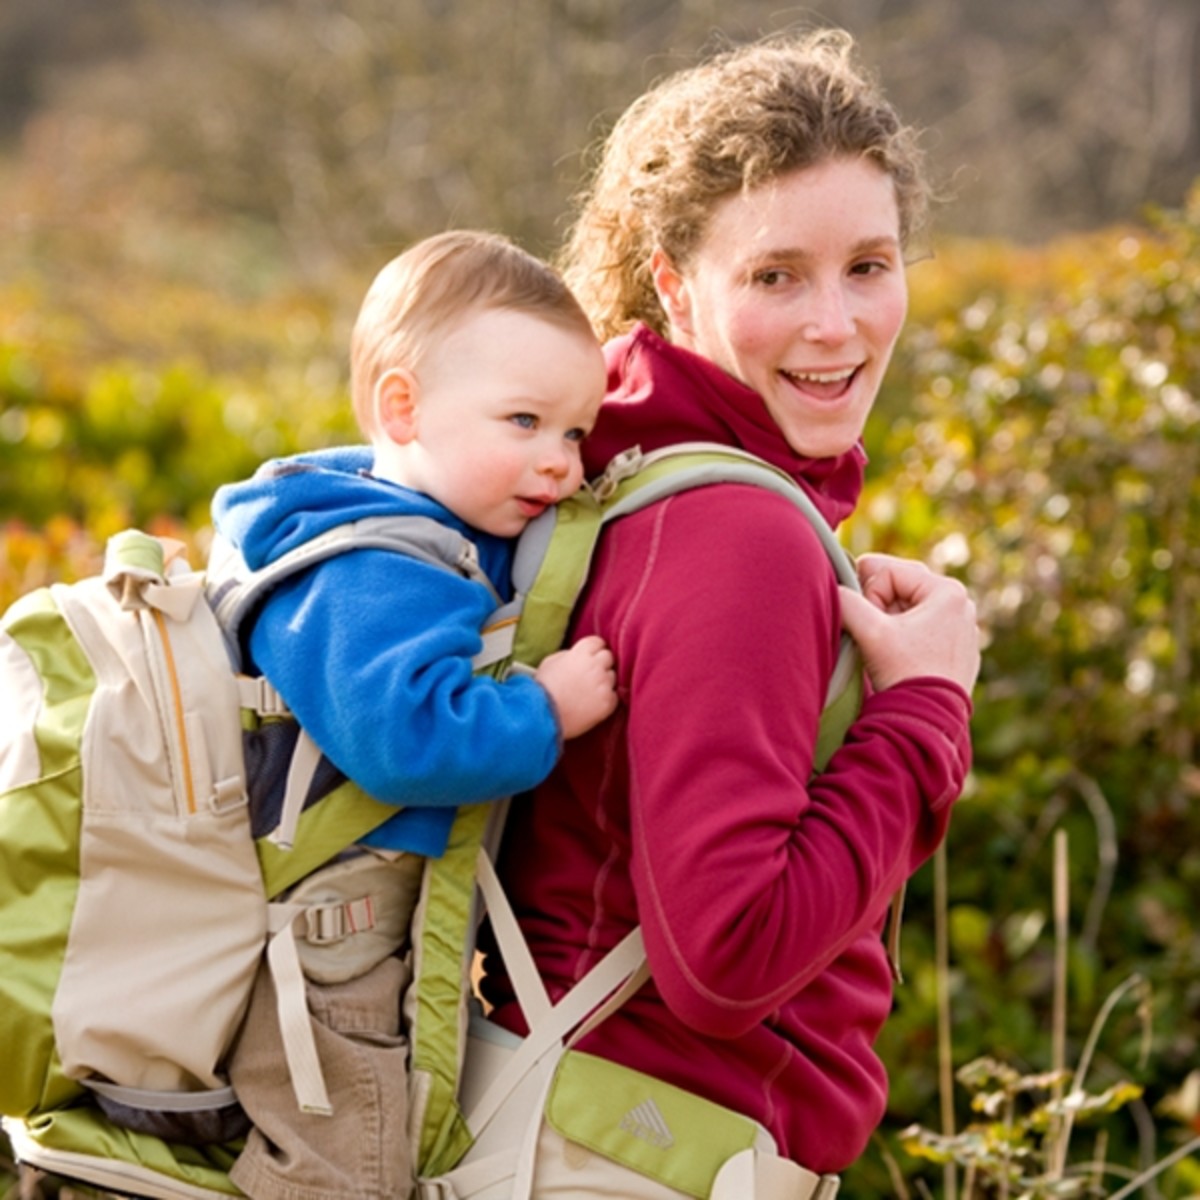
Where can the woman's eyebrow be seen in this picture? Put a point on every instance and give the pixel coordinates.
(884, 242)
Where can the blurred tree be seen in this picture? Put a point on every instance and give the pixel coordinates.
(41, 37)
(342, 131)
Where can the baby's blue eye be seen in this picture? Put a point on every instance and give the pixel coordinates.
(576, 435)
(525, 420)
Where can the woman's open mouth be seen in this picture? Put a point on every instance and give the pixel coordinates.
(822, 385)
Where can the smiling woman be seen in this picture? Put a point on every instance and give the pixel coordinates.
(742, 246)
(798, 290)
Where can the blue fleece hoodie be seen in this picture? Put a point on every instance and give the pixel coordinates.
(372, 649)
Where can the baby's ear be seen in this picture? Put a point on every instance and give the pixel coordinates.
(396, 405)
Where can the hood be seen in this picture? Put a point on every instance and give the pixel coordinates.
(289, 501)
(660, 394)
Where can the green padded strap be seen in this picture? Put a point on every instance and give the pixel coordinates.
(542, 628)
(443, 950)
(632, 482)
(678, 468)
(326, 828)
(565, 550)
(840, 712)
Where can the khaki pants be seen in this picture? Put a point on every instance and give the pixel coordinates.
(354, 988)
(360, 1152)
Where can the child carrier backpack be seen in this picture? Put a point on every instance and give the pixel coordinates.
(139, 883)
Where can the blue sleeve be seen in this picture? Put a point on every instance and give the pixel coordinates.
(372, 652)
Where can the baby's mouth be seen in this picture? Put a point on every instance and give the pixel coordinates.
(533, 506)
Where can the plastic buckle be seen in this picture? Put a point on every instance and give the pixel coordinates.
(255, 693)
(827, 1187)
(328, 923)
(324, 924)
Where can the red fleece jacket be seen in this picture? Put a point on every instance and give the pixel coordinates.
(761, 892)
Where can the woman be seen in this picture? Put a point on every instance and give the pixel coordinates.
(741, 245)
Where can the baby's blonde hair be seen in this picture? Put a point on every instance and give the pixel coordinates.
(437, 282)
(743, 118)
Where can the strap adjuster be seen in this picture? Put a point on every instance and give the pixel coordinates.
(327, 923)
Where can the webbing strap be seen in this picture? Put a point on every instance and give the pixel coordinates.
(157, 1101)
(306, 758)
(299, 1046)
(599, 993)
(468, 1178)
(518, 961)
(497, 644)
(753, 1175)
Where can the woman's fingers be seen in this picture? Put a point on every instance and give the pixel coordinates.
(910, 621)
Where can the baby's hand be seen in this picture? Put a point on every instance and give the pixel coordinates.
(582, 684)
(910, 621)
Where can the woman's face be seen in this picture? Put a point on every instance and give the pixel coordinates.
(798, 290)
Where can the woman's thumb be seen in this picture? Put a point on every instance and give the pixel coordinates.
(859, 616)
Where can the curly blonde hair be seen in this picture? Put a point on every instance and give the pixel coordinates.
(734, 122)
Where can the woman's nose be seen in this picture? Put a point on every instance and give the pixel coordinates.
(828, 317)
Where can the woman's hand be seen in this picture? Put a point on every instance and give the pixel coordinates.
(910, 621)
(582, 684)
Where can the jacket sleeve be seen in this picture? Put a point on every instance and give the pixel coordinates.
(372, 652)
(749, 878)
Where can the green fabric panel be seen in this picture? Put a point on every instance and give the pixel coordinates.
(35, 623)
(39, 882)
(39, 861)
(441, 988)
(85, 1131)
(839, 714)
(133, 548)
(652, 1127)
(551, 599)
(323, 831)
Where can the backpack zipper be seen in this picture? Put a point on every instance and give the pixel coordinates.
(177, 707)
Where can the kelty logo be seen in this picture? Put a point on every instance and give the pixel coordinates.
(646, 1122)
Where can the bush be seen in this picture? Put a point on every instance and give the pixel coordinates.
(1040, 437)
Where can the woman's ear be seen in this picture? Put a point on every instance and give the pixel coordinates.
(673, 293)
(396, 405)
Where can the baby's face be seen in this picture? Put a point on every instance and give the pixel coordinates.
(503, 403)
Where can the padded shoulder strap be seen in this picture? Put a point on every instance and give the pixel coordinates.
(555, 552)
(633, 480)
(234, 589)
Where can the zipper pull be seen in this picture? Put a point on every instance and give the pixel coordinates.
(620, 468)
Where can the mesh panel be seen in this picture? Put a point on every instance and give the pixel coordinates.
(268, 750)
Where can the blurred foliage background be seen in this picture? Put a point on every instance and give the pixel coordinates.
(195, 193)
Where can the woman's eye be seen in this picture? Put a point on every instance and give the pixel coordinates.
(871, 267)
(525, 420)
(771, 277)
